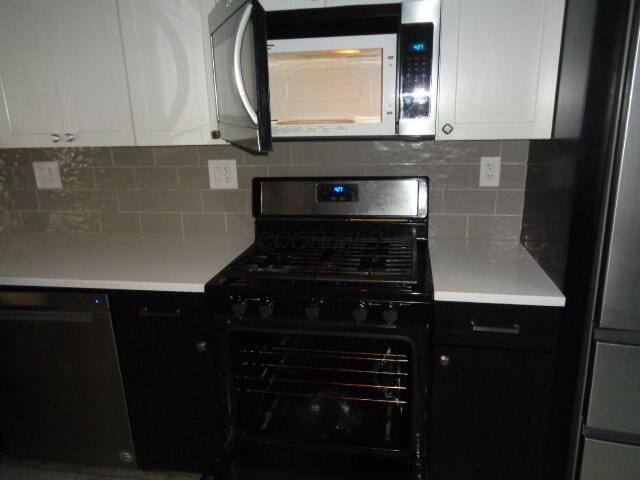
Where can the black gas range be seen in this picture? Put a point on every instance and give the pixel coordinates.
(324, 324)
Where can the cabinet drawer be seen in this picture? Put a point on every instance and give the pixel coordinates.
(181, 312)
(507, 326)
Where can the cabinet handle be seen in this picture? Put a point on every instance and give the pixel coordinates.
(147, 312)
(201, 346)
(445, 360)
(55, 138)
(515, 330)
(447, 128)
(69, 137)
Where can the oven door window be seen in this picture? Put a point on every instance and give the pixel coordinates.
(335, 85)
(341, 391)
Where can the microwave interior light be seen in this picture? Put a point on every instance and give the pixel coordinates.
(349, 51)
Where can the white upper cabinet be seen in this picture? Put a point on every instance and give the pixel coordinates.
(92, 79)
(30, 113)
(62, 74)
(342, 3)
(270, 5)
(165, 48)
(498, 68)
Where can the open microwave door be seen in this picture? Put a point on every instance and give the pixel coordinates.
(238, 35)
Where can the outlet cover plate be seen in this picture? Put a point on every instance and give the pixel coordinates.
(489, 172)
(47, 175)
(223, 174)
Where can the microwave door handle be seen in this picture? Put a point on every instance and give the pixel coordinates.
(237, 70)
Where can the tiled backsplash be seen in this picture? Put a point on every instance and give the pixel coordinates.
(166, 189)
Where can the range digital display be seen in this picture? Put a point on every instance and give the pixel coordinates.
(418, 47)
(337, 192)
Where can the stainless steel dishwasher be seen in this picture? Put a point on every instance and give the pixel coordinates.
(61, 394)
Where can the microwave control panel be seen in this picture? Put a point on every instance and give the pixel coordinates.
(416, 70)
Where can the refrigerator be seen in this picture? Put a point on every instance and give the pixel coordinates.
(608, 438)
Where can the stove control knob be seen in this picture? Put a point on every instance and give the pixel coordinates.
(360, 313)
(312, 311)
(238, 307)
(265, 309)
(390, 315)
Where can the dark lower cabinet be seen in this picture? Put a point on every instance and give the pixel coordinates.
(492, 384)
(168, 361)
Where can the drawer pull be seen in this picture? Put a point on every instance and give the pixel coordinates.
(515, 330)
(147, 312)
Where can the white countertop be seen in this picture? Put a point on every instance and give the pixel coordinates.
(118, 262)
(463, 270)
(490, 271)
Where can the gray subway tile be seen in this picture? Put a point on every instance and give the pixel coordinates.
(338, 170)
(219, 152)
(181, 201)
(193, 178)
(97, 200)
(292, 170)
(280, 155)
(132, 156)
(76, 178)
(469, 201)
(24, 178)
(61, 222)
(226, 201)
(115, 178)
(57, 200)
(515, 151)
(246, 173)
(315, 153)
(161, 223)
(74, 157)
(505, 227)
(435, 200)
(14, 157)
(447, 226)
(156, 177)
(240, 224)
(184, 155)
(367, 152)
(10, 221)
(120, 222)
(204, 223)
(6, 179)
(440, 176)
(19, 199)
(510, 202)
(139, 201)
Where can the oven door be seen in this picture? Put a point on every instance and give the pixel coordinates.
(238, 35)
(333, 86)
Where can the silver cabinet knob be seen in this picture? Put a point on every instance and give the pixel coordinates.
(445, 360)
(447, 128)
(55, 138)
(201, 346)
(69, 137)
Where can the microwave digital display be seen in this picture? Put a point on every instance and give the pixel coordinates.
(337, 192)
(418, 47)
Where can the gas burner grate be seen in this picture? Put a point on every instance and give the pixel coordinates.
(341, 258)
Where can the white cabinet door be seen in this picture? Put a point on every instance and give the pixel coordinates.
(341, 3)
(166, 62)
(269, 5)
(92, 80)
(29, 109)
(498, 68)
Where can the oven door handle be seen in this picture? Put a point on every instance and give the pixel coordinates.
(237, 69)
(514, 330)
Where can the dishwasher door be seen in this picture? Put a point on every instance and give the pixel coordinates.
(62, 397)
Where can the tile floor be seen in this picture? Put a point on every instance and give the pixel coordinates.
(11, 469)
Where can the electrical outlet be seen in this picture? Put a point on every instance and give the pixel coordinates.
(47, 175)
(489, 172)
(223, 174)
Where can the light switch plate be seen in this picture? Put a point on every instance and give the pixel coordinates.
(489, 172)
(223, 174)
(47, 175)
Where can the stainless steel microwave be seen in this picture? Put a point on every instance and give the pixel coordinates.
(344, 72)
